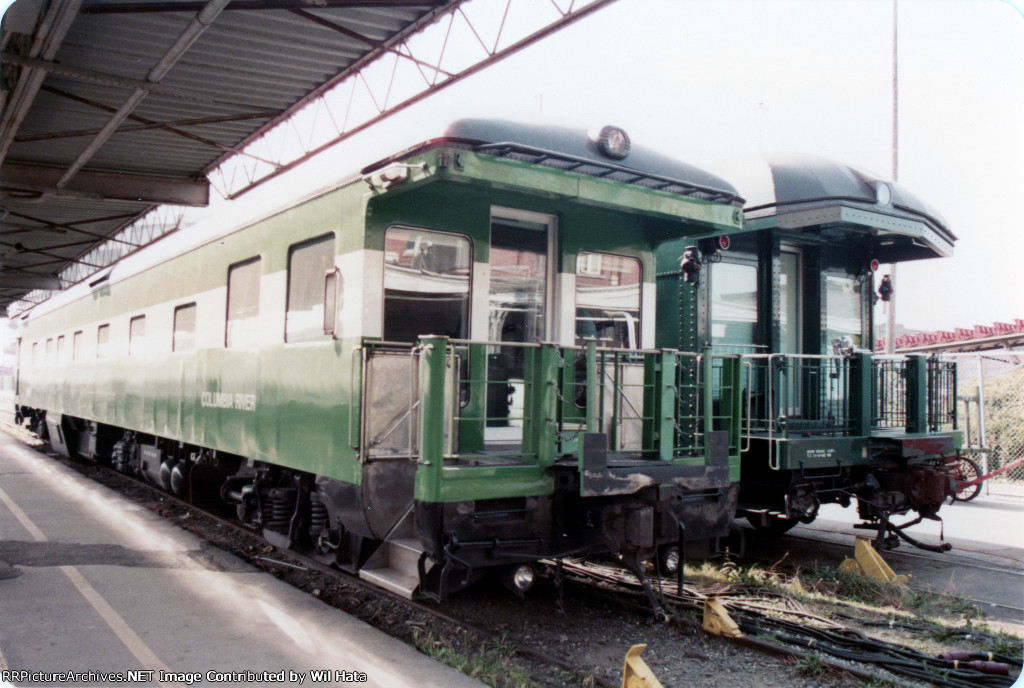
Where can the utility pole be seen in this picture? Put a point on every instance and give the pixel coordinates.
(890, 325)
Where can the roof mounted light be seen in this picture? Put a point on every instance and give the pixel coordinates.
(612, 142)
(883, 193)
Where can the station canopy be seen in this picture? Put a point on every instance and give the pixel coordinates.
(116, 115)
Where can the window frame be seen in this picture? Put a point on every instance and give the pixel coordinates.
(103, 348)
(470, 294)
(174, 326)
(258, 260)
(318, 334)
(136, 339)
(590, 272)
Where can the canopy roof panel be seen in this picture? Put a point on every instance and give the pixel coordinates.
(112, 109)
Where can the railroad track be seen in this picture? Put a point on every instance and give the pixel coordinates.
(797, 635)
(796, 630)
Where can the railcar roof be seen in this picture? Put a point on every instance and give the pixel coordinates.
(798, 191)
(576, 150)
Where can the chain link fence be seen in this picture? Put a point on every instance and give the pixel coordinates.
(990, 409)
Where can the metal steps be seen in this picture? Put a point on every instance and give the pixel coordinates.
(394, 567)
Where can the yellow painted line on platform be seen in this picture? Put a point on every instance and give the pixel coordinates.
(115, 621)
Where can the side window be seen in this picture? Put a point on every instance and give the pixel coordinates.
(35, 353)
(734, 304)
(426, 284)
(103, 341)
(843, 312)
(60, 349)
(184, 328)
(49, 351)
(243, 304)
(608, 299)
(77, 342)
(308, 264)
(137, 336)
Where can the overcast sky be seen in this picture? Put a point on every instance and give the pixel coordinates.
(713, 80)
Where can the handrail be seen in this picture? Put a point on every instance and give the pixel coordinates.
(750, 396)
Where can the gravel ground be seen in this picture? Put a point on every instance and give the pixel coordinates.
(586, 632)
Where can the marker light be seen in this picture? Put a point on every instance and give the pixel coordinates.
(883, 193)
(612, 142)
(874, 265)
(724, 242)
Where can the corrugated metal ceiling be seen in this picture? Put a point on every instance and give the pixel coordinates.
(177, 85)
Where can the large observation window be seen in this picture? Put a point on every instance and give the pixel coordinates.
(608, 299)
(734, 305)
(184, 338)
(843, 309)
(308, 264)
(426, 284)
(243, 304)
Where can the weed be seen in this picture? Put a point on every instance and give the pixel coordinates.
(491, 661)
(876, 682)
(1003, 644)
(810, 665)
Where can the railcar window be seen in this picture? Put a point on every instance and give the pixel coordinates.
(35, 353)
(77, 342)
(608, 299)
(137, 336)
(103, 341)
(184, 328)
(517, 302)
(734, 305)
(243, 303)
(49, 350)
(843, 309)
(426, 284)
(307, 266)
(60, 349)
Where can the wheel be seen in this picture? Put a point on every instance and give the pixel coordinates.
(776, 526)
(967, 470)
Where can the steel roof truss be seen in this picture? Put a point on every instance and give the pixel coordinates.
(232, 177)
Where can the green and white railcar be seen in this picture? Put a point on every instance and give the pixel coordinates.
(443, 365)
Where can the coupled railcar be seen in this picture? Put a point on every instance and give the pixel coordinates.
(443, 366)
(825, 418)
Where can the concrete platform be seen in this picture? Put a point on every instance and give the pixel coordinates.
(108, 587)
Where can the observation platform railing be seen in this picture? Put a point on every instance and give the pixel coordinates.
(492, 418)
(854, 395)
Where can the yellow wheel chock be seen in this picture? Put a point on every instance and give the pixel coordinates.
(870, 563)
(636, 673)
(717, 620)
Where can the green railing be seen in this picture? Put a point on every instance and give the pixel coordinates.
(786, 394)
(492, 418)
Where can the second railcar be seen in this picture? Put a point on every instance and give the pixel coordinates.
(826, 419)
